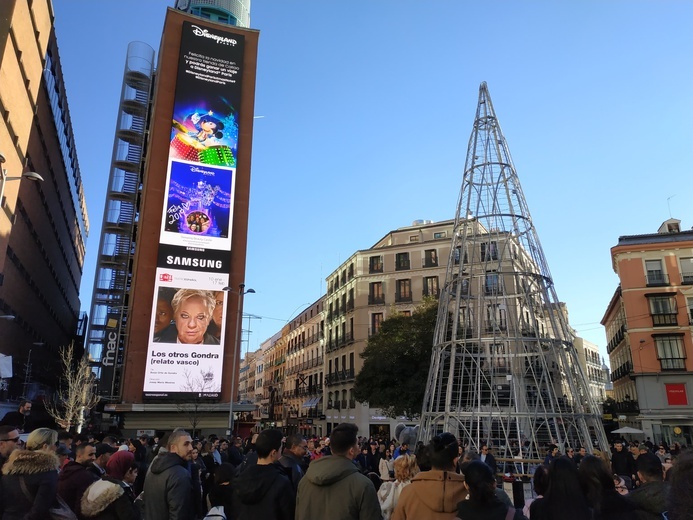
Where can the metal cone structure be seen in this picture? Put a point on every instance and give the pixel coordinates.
(504, 370)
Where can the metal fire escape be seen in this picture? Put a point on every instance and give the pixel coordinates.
(109, 309)
(504, 370)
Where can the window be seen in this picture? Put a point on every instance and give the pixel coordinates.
(492, 283)
(489, 251)
(376, 321)
(689, 303)
(655, 274)
(401, 261)
(403, 291)
(375, 264)
(350, 273)
(413, 238)
(440, 234)
(406, 313)
(670, 352)
(430, 286)
(663, 310)
(687, 271)
(375, 293)
(456, 256)
(496, 317)
(430, 258)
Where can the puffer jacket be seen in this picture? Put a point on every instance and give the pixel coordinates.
(333, 488)
(433, 495)
(39, 471)
(107, 500)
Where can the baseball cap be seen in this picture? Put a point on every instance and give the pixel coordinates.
(103, 448)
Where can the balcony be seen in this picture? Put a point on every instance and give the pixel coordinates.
(664, 320)
(687, 278)
(624, 370)
(402, 298)
(340, 376)
(673, 363)
(493, 288)
(344, 404)
(403, 265)
(616, 339)
(495, 326)
(350, 304)
(352, 403)
(626, 406)
(375, 268)
(430, 261)
(657, 279)
(376, 299)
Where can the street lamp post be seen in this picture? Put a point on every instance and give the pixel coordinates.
(32, 176)
(236, 349)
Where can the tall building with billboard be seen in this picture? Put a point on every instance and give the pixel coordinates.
(174, 236)
(43, 224)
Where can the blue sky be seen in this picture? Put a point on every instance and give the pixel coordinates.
(368, 107)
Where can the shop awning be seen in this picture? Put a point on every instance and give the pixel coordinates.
(309, 403)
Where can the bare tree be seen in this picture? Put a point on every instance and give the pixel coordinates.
(76, 393)
(198, 403)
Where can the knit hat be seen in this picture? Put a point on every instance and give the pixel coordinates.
(119, 464)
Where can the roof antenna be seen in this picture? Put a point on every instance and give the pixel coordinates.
(669, 205)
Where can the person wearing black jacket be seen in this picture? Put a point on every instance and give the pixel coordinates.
(263, 490)
(622, 462)
(292, 459)
(373, 458)
(21, 418)
(168, 487)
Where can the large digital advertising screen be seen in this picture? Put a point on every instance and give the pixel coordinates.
(186, 341)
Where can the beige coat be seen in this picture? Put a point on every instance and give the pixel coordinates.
(432, 495)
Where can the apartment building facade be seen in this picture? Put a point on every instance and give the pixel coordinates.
(304, 372)
(648, 329)
(393, 276)
(593, 367)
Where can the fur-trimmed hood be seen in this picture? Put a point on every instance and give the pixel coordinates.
(29, 462)
(99, 496)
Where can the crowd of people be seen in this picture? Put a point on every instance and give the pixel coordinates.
(269, 475)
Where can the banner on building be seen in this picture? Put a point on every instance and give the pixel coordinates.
(186, 341)
(676, 394)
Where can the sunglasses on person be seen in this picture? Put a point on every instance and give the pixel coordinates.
(13, 439)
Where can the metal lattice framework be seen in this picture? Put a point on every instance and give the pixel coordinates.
(504, 369)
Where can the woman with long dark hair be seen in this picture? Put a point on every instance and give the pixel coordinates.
(598, 486)
(564, 498)
(483, 503)
(540, 481)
